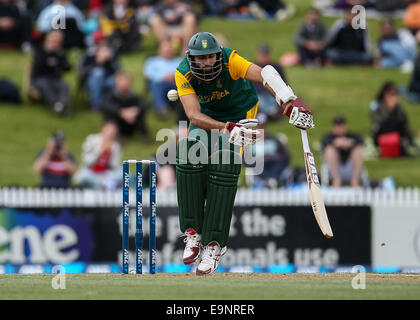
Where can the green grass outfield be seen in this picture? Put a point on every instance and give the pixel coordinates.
(223, 286)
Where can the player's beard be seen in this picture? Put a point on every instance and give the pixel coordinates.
(207, 73)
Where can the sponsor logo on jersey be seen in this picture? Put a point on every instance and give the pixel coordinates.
(216, 95)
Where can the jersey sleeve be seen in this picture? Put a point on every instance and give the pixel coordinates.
(238, 66)
(182, 84)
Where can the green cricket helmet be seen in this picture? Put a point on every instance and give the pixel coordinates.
(204, 43)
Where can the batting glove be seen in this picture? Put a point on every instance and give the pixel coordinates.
(299, 114)
(243, 133)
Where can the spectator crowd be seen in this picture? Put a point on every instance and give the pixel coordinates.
(101, 31)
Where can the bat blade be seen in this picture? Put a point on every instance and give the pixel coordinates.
(317, 201)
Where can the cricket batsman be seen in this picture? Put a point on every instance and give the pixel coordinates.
(216, 90)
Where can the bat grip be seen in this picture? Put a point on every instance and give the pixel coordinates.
(305, 141)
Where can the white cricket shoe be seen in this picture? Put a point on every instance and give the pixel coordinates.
(192, 246)
(210, 258)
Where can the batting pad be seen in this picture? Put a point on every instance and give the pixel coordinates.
(191, 182)
(221, 191)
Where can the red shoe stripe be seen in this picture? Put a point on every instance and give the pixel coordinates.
(191, 231)
(193, 257)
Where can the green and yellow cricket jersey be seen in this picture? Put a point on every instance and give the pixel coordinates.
(229, 97)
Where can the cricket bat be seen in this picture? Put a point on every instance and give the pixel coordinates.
(315, 194)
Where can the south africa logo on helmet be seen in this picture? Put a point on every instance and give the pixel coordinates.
(200, 44)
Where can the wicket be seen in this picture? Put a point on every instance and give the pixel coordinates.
(139, 215)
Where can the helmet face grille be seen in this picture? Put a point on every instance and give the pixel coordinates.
(206, 73)
(203, 44)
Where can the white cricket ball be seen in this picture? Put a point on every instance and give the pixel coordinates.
(172, 95)
(132, 271)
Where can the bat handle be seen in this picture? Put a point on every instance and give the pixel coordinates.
(305, 141)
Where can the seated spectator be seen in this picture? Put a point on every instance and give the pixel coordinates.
(344, 4)
(28, 13)
(412, 17)
(266, 9)
(175, 20)
(95, 11)
(96, 7)
(412, 91)
(119, 25)
(72, 25)
(160, 74)
(97, 72)
(42, 4)
(343, 154)
(28, 7)
(267, 103)
(125, 109)
(276, 158)
(80, 4)
(310, 39)
(221, 7)
(145, 9)
(83, 4)
(390, 126)
(101, 160)
(395, 49)
(346, 45)
(47, 69)
(55, 164)
(15, 27)
(391, 5)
